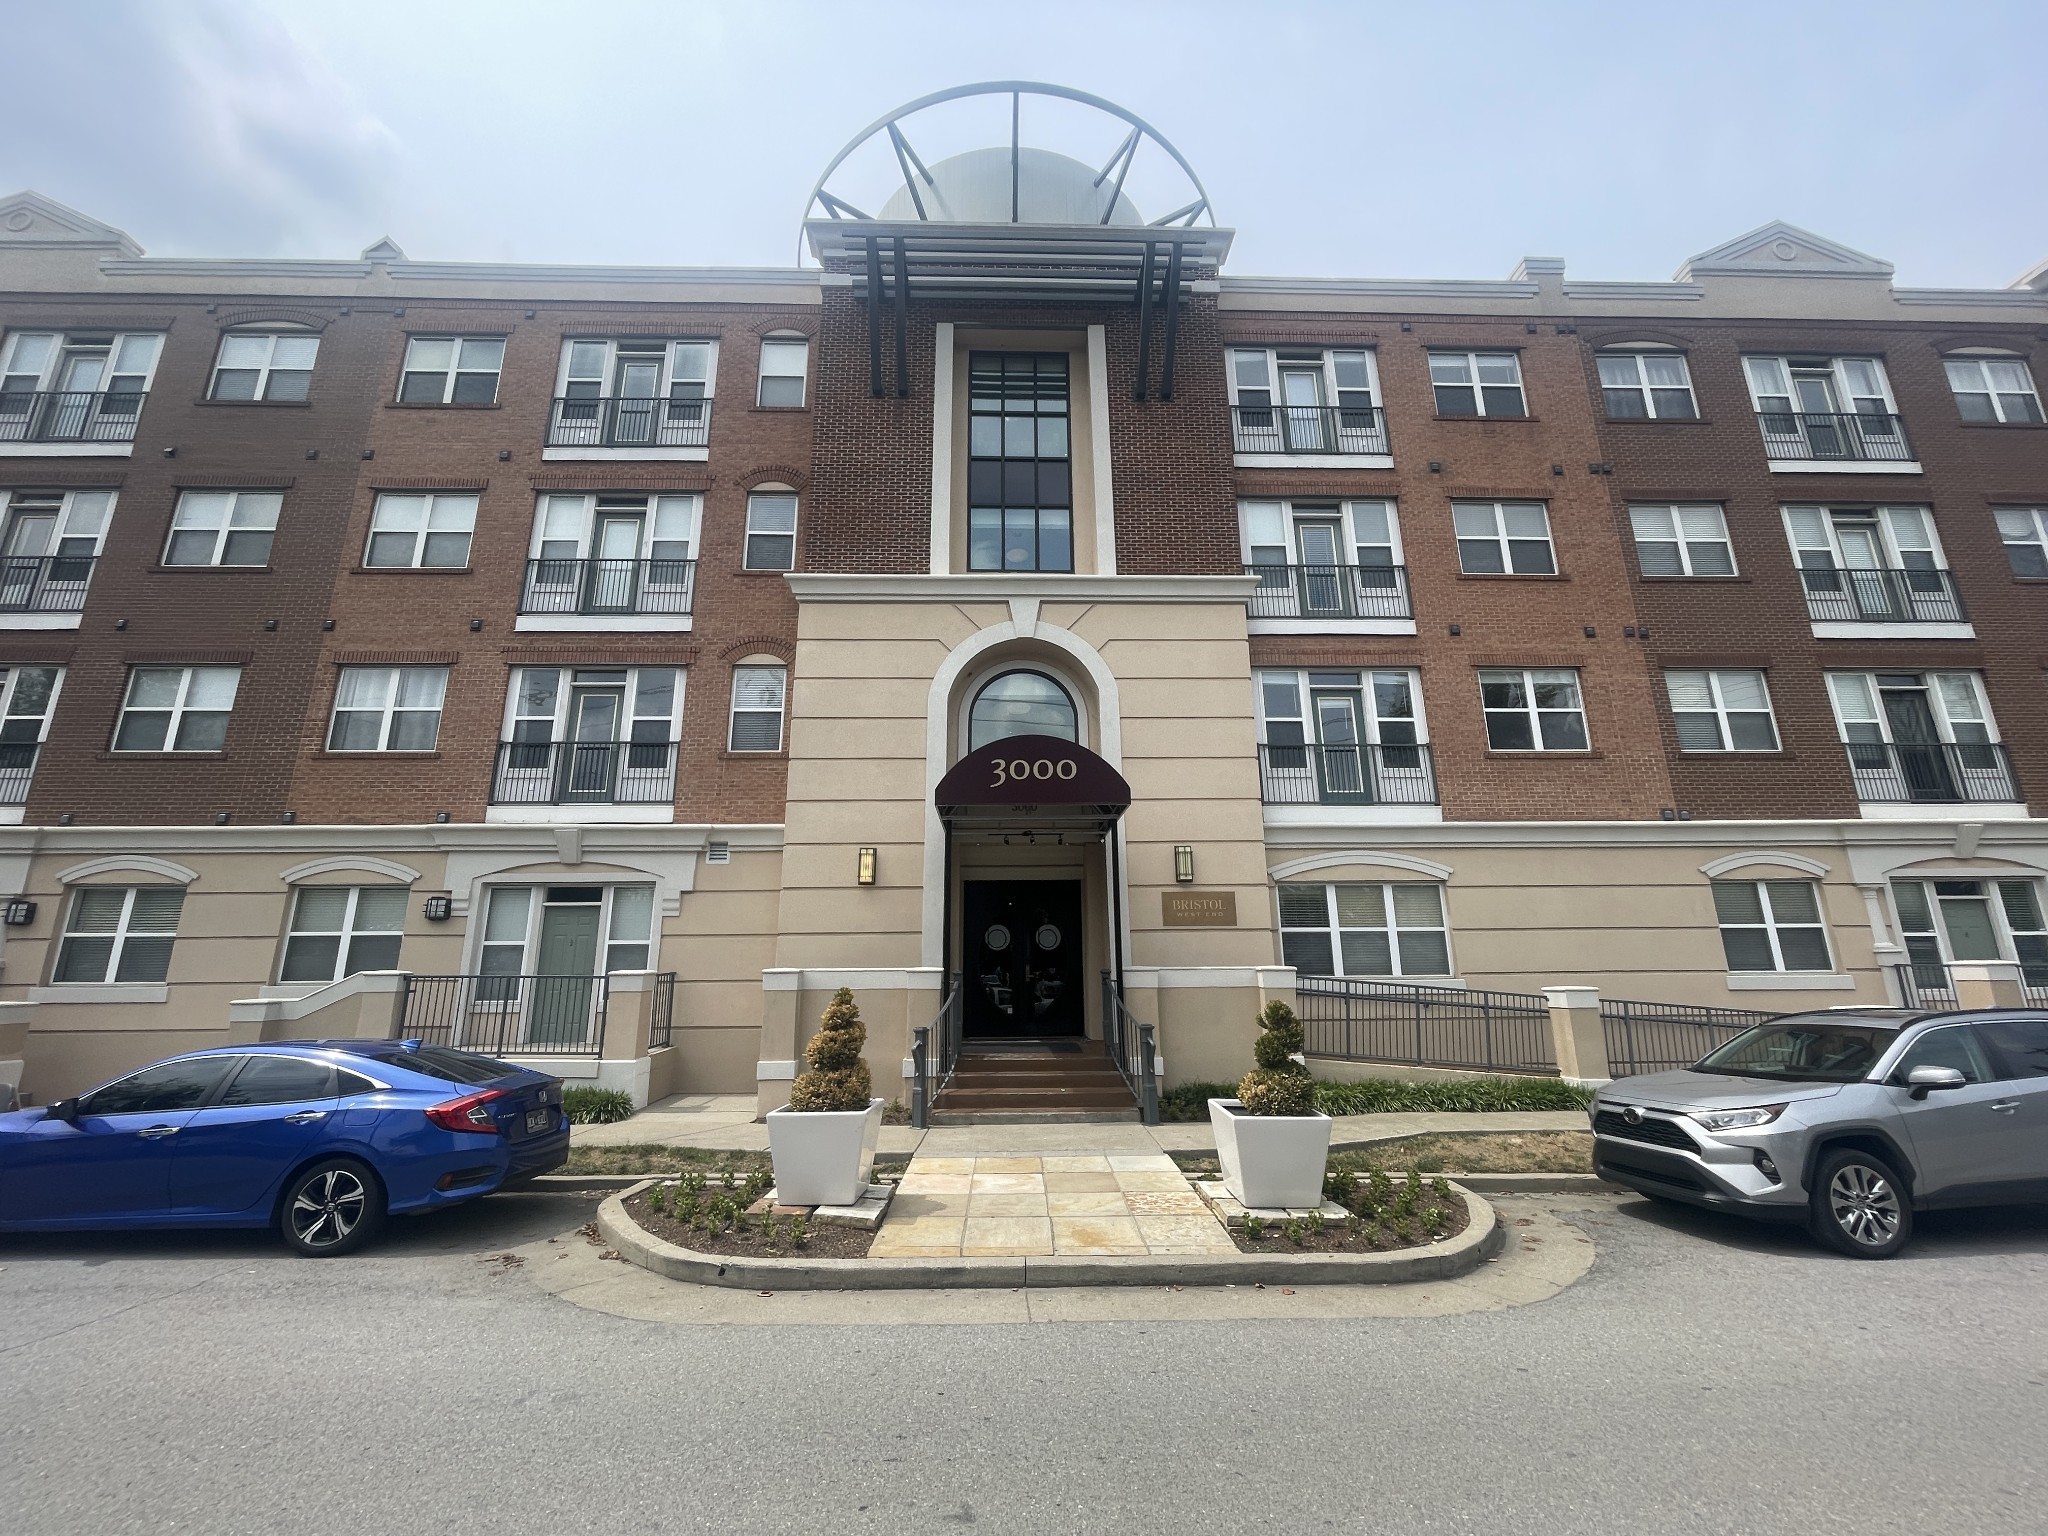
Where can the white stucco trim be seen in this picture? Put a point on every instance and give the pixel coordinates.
(1317, 861)
(880, 978)
(942, 450)
(1001, 586)
(348, 864)
(1714, 869)
(1330, 626)
(1789, 981)
(1843, 467)
(624, 455)
(602, 624)
(1270, 977)
(1340, 820)
(141, 863)
(1098, 430)
(579, 815)
(1844, 629)
(100, 995)
(42, 621)
(2003, 810)
(1312, 460)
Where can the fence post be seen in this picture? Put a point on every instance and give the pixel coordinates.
(1576, 1037)
(1987, 984)
(920, 1068)
(1148, 1098)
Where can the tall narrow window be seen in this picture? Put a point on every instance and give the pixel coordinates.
(264, 366)
(1771, 925)
(337, 930)
(757, 706)
(771, 531)
(177, 709)
(223, 528)
(117, 933)
(27, 696)
(1019, 472)
(784, 362)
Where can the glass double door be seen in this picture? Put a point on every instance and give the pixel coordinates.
(1021, 959)
(1923, 758)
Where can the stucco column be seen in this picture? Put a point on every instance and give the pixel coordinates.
(1576, 1035)
(629, 1016)
(1987, 984)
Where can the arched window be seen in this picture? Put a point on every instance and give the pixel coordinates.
(1021, 704)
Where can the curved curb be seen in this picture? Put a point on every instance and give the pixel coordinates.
(1482, 1239)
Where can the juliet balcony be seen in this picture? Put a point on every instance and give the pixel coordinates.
(1819, 439)
(1932, 773)
(1338, 433)
(629, 427)
(1330, 592)
(594, 588)
(69, 421)
(1837, 596)
(638, 777)
(1389, 774)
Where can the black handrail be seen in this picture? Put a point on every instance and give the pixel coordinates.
(1936, 772)
(1387, 774)
(1302, 429)
(608, 586)
(1872, 596)
(934, 1055)
(584, 772)
(45, 583)
(635, 421)
(1667, 1037)
(513, 1014)
(70, 416)
(17, 770)
(1329, 592)
(1355, 1019)
(662, 1024)
(1833, 435)
(1132, 1046)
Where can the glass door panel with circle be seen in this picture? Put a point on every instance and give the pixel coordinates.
(1021, 957)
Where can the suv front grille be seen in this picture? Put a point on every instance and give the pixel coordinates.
(1656, 1132)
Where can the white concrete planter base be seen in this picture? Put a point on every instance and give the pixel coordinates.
(823, 1157)
(1270, 1160)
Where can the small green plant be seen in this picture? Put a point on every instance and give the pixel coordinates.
(693, 1182)
(595, 1106)
(1296, 1231)
(1316, 1222)
(1380, 1188)
(757, 1185)
(838, 1078)
(799, 1230)
(1433, 1220)
(1255, 1227)
(1338, 1186)
(1280, 1084)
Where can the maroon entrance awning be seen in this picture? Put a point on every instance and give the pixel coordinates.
(1020, 775)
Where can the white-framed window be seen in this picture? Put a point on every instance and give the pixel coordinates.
(1946, 920)
(785, 362)
(451, 370)
(1320, 533)
(1305, 400)
(337, 930)
(176, 709)
(90, 384)
(1864, 538)
(2024, 531)
(116, 933)
(48, 546)
(223, 527)
(1533, 709)
(598, 734)
(771, 529)
(264, 365)
(28, 696)
(1682, 540)
(1503, 537)
(1477, 383)
(387, 709)
(1912, 708)
(759, 699)
(1993, 388)
(1771, 925)
(1647, 383)
(1365, 929)
(547, 929)
(677, 372)
(1721, 710)
(1819, 385)
(661, 530)
(422, 530)
(1341, 708)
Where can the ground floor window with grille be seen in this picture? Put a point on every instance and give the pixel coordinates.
(1944, 920)
(1370, 929)
(1771, 925)
(337, 930)
(119, 933)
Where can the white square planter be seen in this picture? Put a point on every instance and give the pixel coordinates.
(1270, 1161)
(823, 1157)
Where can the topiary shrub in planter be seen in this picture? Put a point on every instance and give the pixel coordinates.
(1270, 1139)
(823, 1140)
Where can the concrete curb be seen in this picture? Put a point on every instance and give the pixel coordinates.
(1538, 1184)
(1482, 1239)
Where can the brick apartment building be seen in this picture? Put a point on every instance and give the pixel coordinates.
(523, 626)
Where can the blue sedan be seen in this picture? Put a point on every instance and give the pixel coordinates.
(321, 1139)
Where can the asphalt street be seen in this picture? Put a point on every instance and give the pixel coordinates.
(1703, 1376)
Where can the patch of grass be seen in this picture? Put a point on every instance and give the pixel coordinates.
(1453, 1153)
(595, 1106)
(1381, 1095)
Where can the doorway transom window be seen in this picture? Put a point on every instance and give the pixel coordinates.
(1021, 704)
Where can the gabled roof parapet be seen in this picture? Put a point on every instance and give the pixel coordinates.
(1778, 249)
(29, 220)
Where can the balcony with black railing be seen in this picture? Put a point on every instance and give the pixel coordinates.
(1852, 435)
(596, 587)
(629, 422)
(1870, 596)
(1307, 429)
(1330, 592)
(45, 583)
(1933, 773)
(584, 773)
(1381, 774)
(70, 416)
(17, 770)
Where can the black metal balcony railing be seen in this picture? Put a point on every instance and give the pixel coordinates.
(44, 583)
(1330, 592)
(1386, 774)
(1309, 428)
(635, 422)
(1900, 773)
(584, 773)
(1833, 435)
(608, 586)
(17, 769)
(1882, 596)
(70, 416)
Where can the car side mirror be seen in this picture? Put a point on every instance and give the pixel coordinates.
(65, 1110)
(1924, 1080)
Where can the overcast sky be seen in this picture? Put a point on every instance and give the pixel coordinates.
(1421, 140)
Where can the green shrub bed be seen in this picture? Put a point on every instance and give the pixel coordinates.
(595, 1106)
(1381, 1096)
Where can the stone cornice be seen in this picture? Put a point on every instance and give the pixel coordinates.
(968, 587)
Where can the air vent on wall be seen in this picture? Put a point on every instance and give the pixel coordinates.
(718, 853)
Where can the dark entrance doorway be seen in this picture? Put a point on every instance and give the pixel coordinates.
(1021, 948)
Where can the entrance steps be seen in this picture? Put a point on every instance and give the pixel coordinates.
(1046, 1082)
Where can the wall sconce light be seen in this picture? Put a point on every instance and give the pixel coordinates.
(1184, 863)
(864, 873)
(20, 912)
(437, 909)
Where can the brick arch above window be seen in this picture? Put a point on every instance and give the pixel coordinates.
(780, 476)
(767, 645)
(1965, 344)
(246, 319)
(1635, 335)
(786, 325)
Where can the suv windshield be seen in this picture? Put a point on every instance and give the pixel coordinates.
(1811, 1050)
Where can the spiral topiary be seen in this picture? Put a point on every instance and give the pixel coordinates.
(838, 1079)
(1279, 1085)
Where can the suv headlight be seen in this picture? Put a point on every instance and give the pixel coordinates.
(1736, 1119)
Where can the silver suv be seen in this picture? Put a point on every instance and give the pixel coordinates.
(1848, 1120)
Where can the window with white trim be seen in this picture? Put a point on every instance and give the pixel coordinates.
(1341, 708)
(99, 377)
(1477, 383)
(421, 530)
(1947, 920)
(1320, 533)
(678, 372)
(1305, 400)
(1993, 389)
(48, 546)
(785, 363)
(1771, 925)
(2024, 531)
(518, 920)
(1682, 540)
(1645, 383)
(1819, 385)
(451, 370)
(1365, 929)
(1863, 538)
(28, 696)
(1533, 709)
(771, 530)
(223, 528)
(1721, 710)
(661, 530)
(118, 933)
(1503, 538)
(337, 930)
(264, 365)
(1903, 707)
(176, 709)
(759, 695)
(387, 709)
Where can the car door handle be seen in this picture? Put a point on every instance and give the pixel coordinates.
(2005, 1106)
(156, 1132)
(305, 1117)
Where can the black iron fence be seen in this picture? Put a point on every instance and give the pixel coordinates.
(1930, 984)
(1889, 773)
(1309, 428)
(1386, 774)
(584, 772)
(1330, 592)
(1882, 596)
(629, 422)
(608, 586)
(1132, 1047)
(70, 416)
(17, 770)
(1833, 435)
(515, 1015)
(934, 1053)
(45, 583)
(1356, 1020)
(1665, 1037)
(661, 1029)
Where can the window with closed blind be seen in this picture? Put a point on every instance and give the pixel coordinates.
(115, 933)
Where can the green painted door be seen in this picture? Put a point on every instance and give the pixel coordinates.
(565, 975)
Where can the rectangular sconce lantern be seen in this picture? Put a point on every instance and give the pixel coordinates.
(865, 875)
(1184, 863)
(438, 909)
(20, 912)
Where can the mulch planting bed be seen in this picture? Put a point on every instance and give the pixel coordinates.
(706, 1221)
(1386, 1215)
